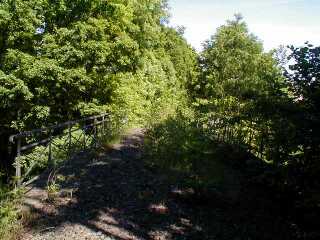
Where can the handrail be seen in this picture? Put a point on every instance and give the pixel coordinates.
(57, 126)
(90, 130)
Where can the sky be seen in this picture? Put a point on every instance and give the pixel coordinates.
(275, 22)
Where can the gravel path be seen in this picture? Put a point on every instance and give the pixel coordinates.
(109, 195)
(112, 194)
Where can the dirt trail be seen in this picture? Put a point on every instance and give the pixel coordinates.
(111, 195)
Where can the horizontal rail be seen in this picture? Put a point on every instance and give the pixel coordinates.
(48, 137)
(57, 126)
(35, 144)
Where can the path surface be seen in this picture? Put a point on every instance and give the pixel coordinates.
(113, 195)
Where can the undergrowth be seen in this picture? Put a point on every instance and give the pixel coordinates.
(10, 225)
(179, 145)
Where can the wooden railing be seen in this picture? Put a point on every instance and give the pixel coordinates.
(66, 137)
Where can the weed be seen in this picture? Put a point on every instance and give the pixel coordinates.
(53, 187)
(9, 213)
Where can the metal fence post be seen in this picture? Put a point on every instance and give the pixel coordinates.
(84, 138)
(103, 119)
(18, 164)
(69, 138)
(95, 131)
(50, 160)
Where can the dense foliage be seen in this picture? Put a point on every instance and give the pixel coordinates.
(275, 117)
(254, 113)
(62, 60)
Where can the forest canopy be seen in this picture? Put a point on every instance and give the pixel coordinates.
(61, 59)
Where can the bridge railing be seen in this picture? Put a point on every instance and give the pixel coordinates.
(48, 146)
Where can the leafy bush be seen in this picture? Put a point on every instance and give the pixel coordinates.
(181, 146)
(114, 56)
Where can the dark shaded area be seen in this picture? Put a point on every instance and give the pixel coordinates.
(119, 196)
(7, 154)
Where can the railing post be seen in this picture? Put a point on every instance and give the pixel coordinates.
(261, 148)
(18, 164)
(84, 138)
(50, 160)
(69, 138)
(95, 131)
(103, 119)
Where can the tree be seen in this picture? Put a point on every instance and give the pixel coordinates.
(304, 76)
(303, 80)
(237, 79)
(234, 63)
(61, 60)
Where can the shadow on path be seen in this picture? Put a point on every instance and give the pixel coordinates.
(110, 195)
(113, 195)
